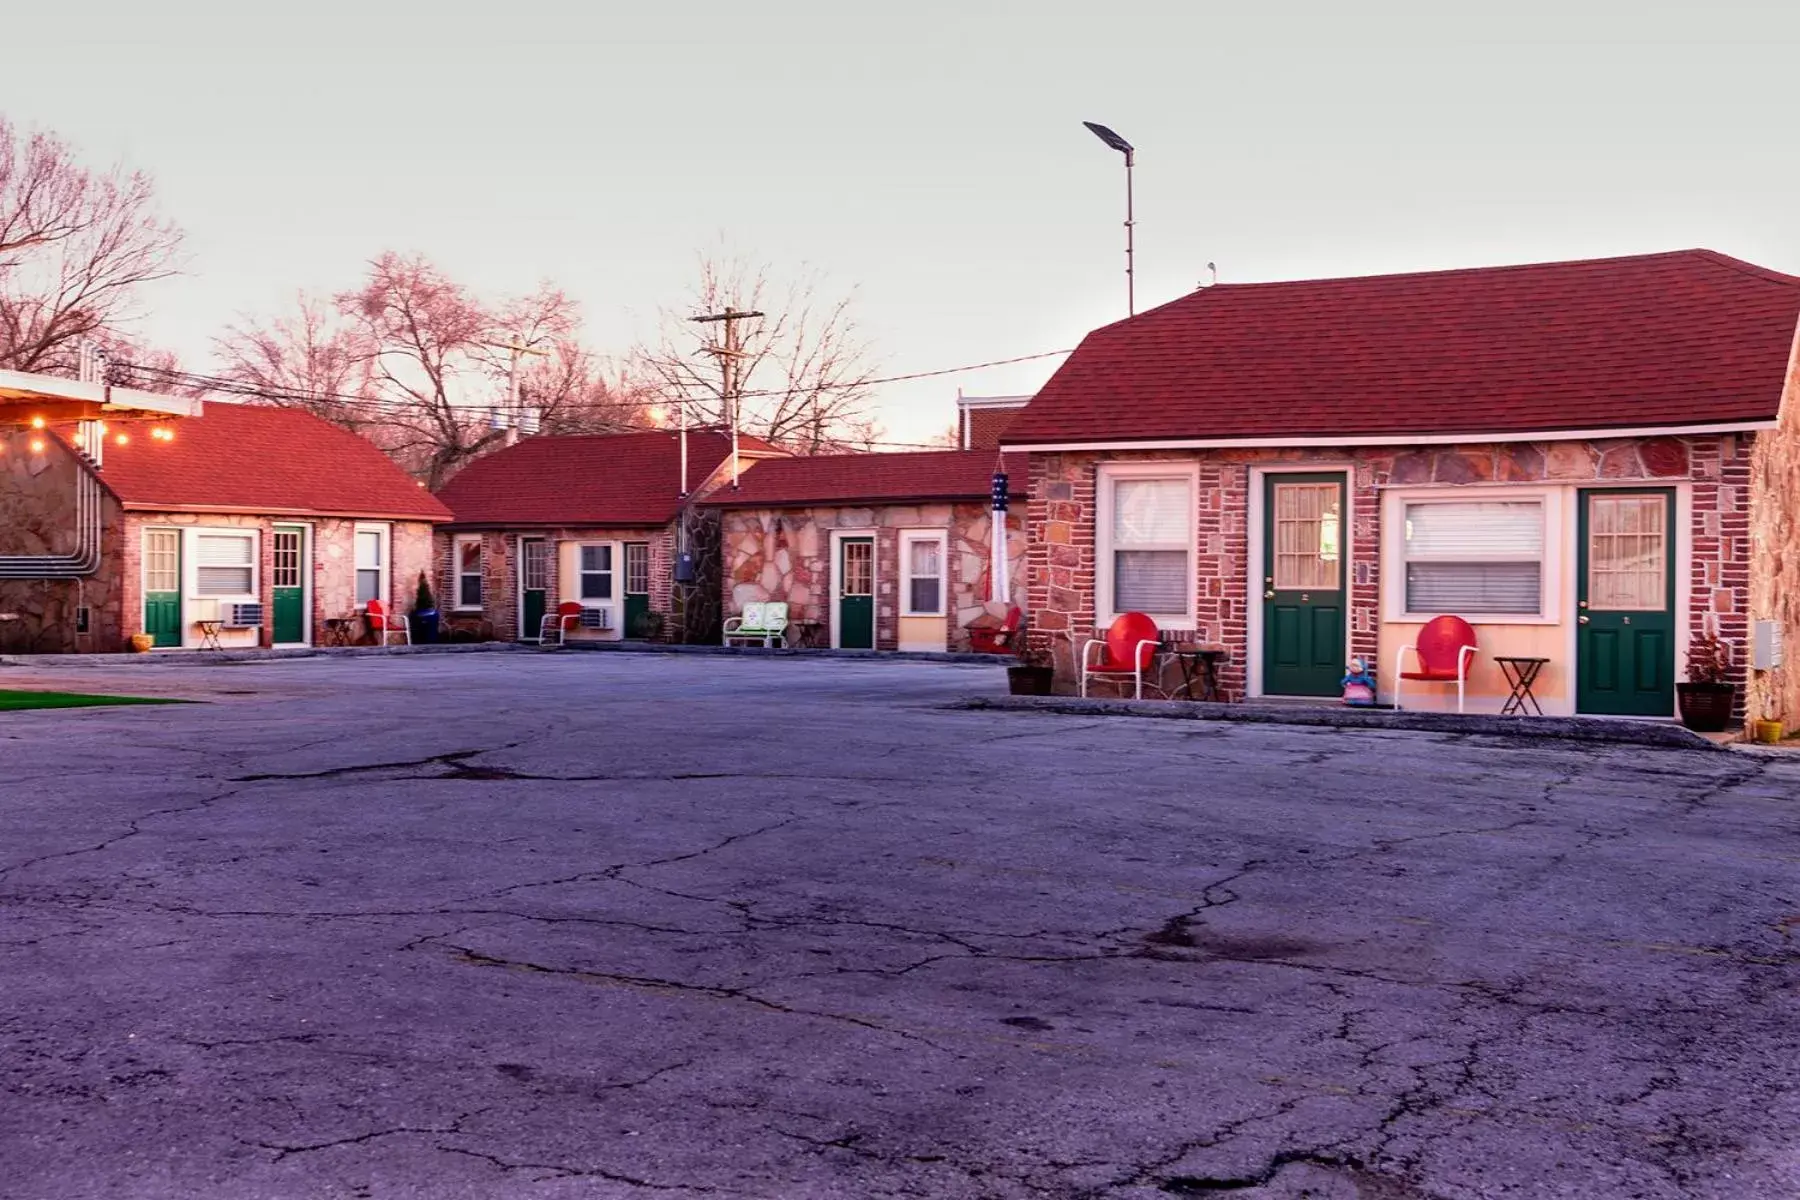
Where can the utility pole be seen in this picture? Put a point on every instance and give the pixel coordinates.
(515, 349)
(728, 355)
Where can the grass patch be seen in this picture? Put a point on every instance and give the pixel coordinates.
(11, 700)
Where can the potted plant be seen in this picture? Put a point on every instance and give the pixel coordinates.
(647, 626)
(141, 643)
(1032, 675)
(424, 613)
(1767, 728)
(1706, 699)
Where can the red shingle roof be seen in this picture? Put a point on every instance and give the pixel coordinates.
(618, 480)
(1685, 338)
(258, 459)
(868, 479)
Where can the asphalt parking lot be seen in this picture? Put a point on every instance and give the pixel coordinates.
(519, 925)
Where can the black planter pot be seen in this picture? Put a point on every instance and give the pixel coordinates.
(1030, 681)
(424, 626)
(1706, 707)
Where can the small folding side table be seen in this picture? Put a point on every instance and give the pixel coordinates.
(1521, 673)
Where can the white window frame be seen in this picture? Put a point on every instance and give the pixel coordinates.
(1108, 474)
(191, 550)
(614, 573)
(908, 539)
(1555, 542)
(386, 567)
(457, 574)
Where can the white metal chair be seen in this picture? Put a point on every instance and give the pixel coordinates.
(764, 622)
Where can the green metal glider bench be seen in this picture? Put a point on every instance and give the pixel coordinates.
(765, 622)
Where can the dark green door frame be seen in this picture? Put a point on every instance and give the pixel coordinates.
(1624, 656)
(534, 566)
(854, 574)
(288, 586)
(1303, 605)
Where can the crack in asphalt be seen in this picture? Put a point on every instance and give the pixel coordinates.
(134, 826)
(563, 1171)
(651, 983)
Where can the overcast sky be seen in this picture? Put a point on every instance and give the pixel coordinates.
(929, 155)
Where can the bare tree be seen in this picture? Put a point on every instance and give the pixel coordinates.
(75, 247)
(804, 373)
(311, 358)
(571, 390)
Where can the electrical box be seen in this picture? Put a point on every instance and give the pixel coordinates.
(1765, 645)
(684, 567)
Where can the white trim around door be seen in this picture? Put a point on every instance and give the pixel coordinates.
(836, 571)
(1253, 527)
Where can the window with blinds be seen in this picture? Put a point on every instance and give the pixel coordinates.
(225, 564)
(924, 576)
(468, 572)
(596, 573)
(1474, 556)
(371, 555)
(1152, 541)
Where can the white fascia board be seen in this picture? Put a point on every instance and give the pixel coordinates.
(132, 400)
(1392, 439)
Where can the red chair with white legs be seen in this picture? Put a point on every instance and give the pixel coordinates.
(1128, 649)
(382, 622)
(556, 627)
(1445, 650)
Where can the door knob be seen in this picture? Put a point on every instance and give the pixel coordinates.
(1583, 618)
(1269, 595)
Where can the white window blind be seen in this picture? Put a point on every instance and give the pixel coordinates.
(1152, 538)
(1474, 556)
(224, 564)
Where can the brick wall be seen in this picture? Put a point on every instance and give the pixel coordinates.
(1061, 572)
(500, 571)
(1775, 553)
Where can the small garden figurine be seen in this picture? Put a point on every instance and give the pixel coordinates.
(1359, 685)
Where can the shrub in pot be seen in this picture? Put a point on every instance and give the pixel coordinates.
(141, 643)
(424, 612)
(1707, 698)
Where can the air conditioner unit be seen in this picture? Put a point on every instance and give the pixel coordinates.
(596, 618)
(244, 616)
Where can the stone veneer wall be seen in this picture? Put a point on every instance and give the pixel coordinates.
(784, 554)
(1061, 572)
(333, 582)
(1775, 553)
(500, 571)
(38, 516)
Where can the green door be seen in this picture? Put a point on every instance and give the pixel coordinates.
(856, 594)
(162, 586)
(534, 584)
(288, 585)
(1303, 584)
(637, 589)
(1625, 603)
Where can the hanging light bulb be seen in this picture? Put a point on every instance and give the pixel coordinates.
(123, 439)
(100, 428)
(37, 422)
(37, 445)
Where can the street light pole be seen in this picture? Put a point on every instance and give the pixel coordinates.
(1124, 147)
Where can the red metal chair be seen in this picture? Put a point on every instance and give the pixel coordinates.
(1128, 648)
(1445, 650)
(566, 617)
(382, 622)
(998, 639)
